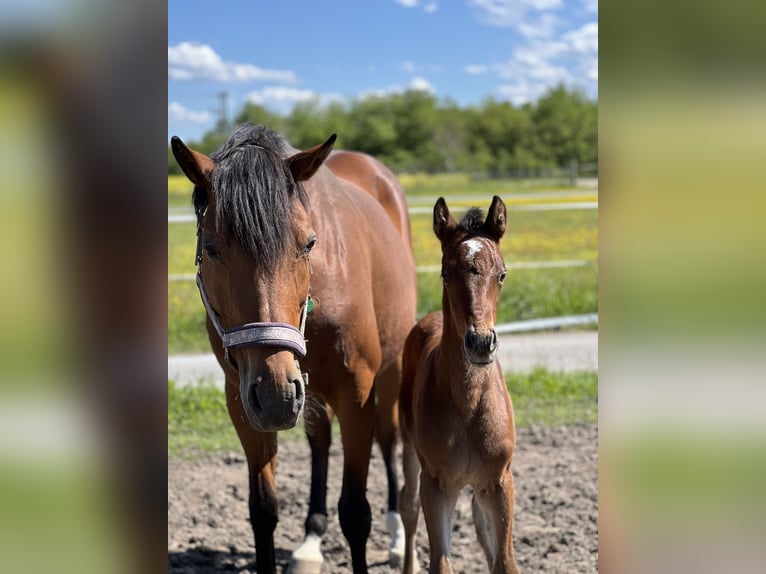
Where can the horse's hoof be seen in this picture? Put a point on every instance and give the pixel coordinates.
(305, 566)
(307, 558)
(396, 558)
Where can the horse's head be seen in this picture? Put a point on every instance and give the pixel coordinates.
(473, 272)
(255, 234)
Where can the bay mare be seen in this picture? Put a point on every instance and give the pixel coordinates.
(316, 245)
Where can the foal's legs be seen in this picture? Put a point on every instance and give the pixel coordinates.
(317, 418)
(386, 429)
(409, 502)
(356, 426)
(261, 452)
(496, 510)
(438, 503)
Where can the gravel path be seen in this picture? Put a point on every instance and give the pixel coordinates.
(555, 530)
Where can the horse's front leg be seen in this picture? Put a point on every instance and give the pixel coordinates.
(387, 385)
(356, 426)
(317, 418)
(409, 502)
(495, 519)
(261, 452)
(438, 499)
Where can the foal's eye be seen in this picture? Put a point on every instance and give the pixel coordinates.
(310, 245)
(502, 277)
(474, 270)
(444, 277)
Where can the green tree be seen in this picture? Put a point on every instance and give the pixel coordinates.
(566, 125)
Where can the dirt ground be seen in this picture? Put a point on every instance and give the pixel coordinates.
(555, 525)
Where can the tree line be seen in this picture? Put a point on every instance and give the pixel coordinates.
(415, 132)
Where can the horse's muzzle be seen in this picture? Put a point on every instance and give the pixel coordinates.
(481, 346)
(271, 406)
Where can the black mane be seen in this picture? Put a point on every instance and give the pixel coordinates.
(253, 191)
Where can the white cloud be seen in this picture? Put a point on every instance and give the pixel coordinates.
(283, 96)
(510, 13)
(590, 5)
(542, 62)
(545, 27)
(417, 83)
(179, 113)
(584, 40)
(421, 84)
(476, 69)
(280, 94)
(408, 66)
(429, 8)
(193, 61)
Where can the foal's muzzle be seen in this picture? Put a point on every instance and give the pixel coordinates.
(481, 346)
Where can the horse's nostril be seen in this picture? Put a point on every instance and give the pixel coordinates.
(298, 383)
(493, 344)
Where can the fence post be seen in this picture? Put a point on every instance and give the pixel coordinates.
(573, 169)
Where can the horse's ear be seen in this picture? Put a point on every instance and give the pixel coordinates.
(444, 223)
(494, 225)
(197, 166)
(305, 163)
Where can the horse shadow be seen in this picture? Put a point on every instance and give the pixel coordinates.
(207, 560)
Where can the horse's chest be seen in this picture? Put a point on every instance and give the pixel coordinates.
(464, 452)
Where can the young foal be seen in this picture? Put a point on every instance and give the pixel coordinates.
(456, 415)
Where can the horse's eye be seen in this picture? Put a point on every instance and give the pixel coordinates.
(474, 270)
(310, 245)
(211, 250)
(444, 277)
(502, 277)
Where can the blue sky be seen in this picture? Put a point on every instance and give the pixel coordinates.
(277, 52)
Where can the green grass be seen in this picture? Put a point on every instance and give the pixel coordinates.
(186, 319)
(198, 421)
(179, 191)
(447, 184)
(549, 398)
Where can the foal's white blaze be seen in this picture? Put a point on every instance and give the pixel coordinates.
(474, 246)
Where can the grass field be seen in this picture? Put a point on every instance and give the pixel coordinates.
(198, 420)
(531, 236)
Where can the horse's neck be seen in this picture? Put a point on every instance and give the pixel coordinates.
(466, 382)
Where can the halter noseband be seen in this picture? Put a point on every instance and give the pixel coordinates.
(279, 335)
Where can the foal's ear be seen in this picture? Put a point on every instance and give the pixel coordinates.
(305, 163)
(494, 225)
(444, 223)
(197, 166)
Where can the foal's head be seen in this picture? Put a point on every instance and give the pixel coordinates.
(473, 272)
(255, 235)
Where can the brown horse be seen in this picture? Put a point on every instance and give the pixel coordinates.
(457, 417)
(261, 207)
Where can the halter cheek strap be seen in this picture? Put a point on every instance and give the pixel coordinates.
(280, 335)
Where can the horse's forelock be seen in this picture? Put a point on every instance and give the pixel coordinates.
(254, 192)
